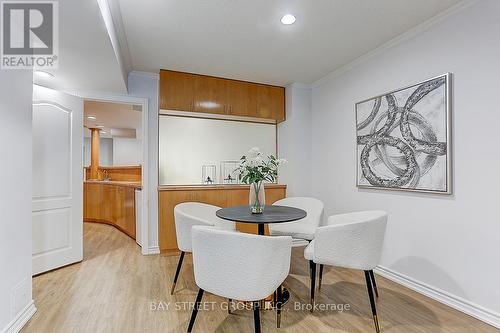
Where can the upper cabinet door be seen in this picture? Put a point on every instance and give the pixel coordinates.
(176, 91)
(271, 102)
(241, 98)
(210, 95)
(199, 93)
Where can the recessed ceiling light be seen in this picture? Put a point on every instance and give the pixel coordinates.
(45, 75)
(99, 126)
(91, 117)
(288, 19)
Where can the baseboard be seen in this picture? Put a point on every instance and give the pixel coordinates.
(154, 249)
(21, 319)
(458, 303)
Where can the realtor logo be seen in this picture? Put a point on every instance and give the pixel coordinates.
(29, 34)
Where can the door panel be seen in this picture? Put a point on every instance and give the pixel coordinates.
(210, 95)
(51, 133)
(241, 98)
(271, 102)
(57, 179)
(176, 91)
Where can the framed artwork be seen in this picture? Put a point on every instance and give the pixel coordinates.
(404, 138)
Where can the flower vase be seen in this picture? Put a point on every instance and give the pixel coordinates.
(257, 199)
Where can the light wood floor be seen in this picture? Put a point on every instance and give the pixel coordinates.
(115, 289)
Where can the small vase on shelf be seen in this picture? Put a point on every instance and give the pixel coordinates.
(257, 199)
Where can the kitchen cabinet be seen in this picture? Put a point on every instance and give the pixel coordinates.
(270, 102)
(111, 202)
(177, 91)
(241, 98)
(210, 95)
(213, 95)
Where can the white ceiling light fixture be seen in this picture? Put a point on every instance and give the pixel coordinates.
(91, 117)
(99, 126)
(43, 74)
(288, 19)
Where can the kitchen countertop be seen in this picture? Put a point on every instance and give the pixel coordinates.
(136, 185)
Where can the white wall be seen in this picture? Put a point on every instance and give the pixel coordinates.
(16, 95)
(449, 243)
(105, 151)
(146, 85)
(127, 151)
(294, 141)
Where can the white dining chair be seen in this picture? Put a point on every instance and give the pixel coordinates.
(302, 231)
(352, 240)
(188, 214)
(238, 266)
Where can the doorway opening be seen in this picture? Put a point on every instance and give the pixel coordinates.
(115, 166)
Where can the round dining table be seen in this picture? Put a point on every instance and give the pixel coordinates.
(272, 214)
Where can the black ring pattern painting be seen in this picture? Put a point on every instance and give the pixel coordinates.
(403, 138)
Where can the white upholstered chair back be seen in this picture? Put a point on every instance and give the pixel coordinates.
(351, 240)
(188, 214)
(237, 265)
(304, 228)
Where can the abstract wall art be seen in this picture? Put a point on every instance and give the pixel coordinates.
(404, 139)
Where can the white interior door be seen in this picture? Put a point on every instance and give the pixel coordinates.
(57, 179)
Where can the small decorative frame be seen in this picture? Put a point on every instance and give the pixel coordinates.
(228, 174)
(208, 174)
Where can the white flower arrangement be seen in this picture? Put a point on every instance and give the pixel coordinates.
(254, 169)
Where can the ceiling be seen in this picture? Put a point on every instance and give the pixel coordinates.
(112, 116)
(87, 61)
(244, 39)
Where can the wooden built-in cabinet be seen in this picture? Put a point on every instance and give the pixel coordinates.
(177, 91)
(200, 93)
(242, 98)
(110, 203)
(218, 195)
(209, 95)
(269, 100)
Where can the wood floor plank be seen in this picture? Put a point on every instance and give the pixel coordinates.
(116, 289)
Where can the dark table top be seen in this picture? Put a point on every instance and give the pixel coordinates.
(272, 214)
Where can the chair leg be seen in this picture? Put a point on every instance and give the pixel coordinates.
(320, 276)
(372, 300)
(229, 303)
(177, 271)
(313, 282)
(279, 305)
(256, 316)
(374, 283)
(195, 310)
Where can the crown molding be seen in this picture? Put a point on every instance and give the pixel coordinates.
(422, 27)
(299, 85)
